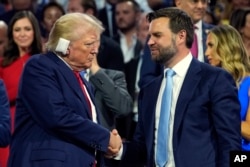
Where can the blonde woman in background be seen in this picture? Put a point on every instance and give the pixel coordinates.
(225, 49)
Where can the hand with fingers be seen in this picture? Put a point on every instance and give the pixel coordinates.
(114, 144)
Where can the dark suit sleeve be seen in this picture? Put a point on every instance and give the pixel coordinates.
(4, 117)
(226, 116)
(135, 152)
(112, 85)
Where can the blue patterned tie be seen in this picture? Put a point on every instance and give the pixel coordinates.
(163, 127)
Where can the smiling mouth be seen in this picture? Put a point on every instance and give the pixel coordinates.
(153, 50)
(22, 40)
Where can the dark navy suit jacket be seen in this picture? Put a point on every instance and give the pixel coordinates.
(206, 122)
(4, 116)
(53, 125)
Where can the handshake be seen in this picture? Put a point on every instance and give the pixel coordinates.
(115, 143)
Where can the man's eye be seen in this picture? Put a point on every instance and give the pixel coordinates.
(88, 45)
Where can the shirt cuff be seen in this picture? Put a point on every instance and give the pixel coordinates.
(119, 155)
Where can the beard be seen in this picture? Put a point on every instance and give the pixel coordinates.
(166, 53)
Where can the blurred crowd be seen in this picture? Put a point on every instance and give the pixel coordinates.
(25, 26)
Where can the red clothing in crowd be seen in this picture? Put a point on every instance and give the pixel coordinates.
(11, 76)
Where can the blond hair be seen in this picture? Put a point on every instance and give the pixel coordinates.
(231, 50)
(71, 27)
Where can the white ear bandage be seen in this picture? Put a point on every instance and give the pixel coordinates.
(62, 45)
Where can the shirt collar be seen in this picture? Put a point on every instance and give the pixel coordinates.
(62, 60)
(199, 25)
(123, 35)
(182, 66)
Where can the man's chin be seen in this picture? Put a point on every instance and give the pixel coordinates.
(80, 67)
(154, 56)
(197, 18)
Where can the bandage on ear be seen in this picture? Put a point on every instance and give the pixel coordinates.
(62, 45)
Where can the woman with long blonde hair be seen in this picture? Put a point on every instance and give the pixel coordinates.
(226, 49)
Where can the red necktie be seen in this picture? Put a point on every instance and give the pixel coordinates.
(80, 81)
(194, 49)
(82, 84)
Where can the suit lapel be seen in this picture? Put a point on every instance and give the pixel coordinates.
(148, 105)
(90, 90)
(189, 86)
(70, 78)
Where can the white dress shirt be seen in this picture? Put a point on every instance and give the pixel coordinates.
(128, 51)
(198, 32)
(180, 70)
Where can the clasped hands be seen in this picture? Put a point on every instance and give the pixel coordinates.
(115, 143)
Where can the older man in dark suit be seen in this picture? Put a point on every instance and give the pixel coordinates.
(56, 118)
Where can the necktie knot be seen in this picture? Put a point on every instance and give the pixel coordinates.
(80, 74)
(170, 73)
(77, 74)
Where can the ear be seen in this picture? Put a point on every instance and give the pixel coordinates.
(181, 36)
(66, 54)
(177, 3)
(67, 51)
(62, 45)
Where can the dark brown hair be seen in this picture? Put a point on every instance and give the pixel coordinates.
(238, 18)
(178, 20)
(89, 4)
(12, 52)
